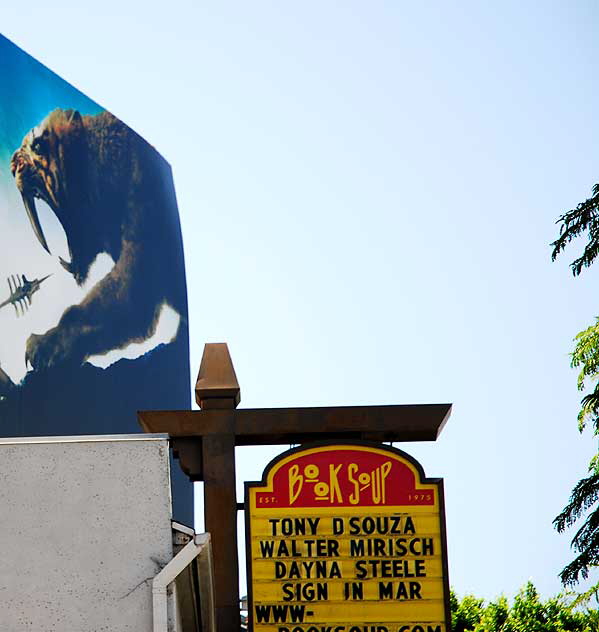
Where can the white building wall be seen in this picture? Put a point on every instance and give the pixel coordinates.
(84, 527)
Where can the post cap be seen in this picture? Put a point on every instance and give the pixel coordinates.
(217, 386)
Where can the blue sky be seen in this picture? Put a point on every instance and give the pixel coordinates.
(34, 93)
(368, 192)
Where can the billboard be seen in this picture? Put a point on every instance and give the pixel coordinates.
(346, 537)
(93, 301)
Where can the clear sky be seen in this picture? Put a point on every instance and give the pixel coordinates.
(368, 191)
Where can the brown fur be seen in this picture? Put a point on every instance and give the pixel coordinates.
(112, 192)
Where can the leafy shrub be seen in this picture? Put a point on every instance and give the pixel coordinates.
(528, 613)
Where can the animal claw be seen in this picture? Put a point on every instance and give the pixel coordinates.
(67, 265)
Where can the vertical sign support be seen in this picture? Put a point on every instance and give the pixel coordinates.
(217, 388)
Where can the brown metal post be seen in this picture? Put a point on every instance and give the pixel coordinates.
(217, 387)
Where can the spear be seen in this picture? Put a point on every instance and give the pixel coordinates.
(21, 292)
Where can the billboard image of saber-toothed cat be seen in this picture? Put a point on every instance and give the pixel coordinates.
(93, 301)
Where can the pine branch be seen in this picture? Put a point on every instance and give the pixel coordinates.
(585, 217)
(587, 536)
(579, 567)
(584, 495)
(586, 542)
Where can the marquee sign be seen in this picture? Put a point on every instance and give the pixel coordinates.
(346, 538)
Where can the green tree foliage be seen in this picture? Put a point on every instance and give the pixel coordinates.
(586, 492)
(527, 613)
(465, 614)
(585, 495)
(575, 222)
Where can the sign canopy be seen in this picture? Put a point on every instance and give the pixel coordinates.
(346, 537)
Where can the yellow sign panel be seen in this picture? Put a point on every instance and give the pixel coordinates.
(346, 538)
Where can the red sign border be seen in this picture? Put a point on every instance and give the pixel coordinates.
(423, 480)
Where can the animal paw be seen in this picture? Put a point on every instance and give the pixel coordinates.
(50, 349)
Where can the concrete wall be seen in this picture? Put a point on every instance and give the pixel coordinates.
(84, 527)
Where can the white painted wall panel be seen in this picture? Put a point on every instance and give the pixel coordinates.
(84, 527)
